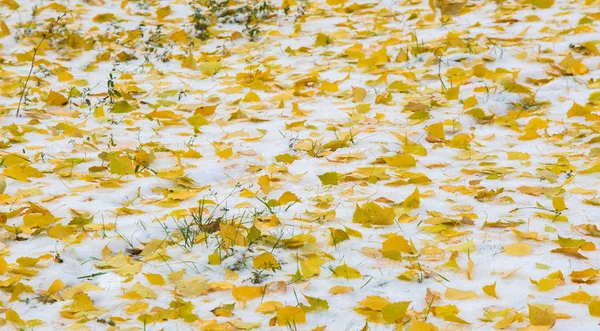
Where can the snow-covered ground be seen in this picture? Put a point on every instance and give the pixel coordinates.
(393, 165)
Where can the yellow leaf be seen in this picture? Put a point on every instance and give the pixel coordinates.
(3, 265)
(423, 326)
(265, 260)
(136, 307)
(191, 287)
(287, 197)
(13, 317)
(179, 36)
(269, 307)
(163, 12)
(461, 141)
(56, 99)
(197, 120)
(517, 156)
(374, 302)
(344, 271)
(251, 97)
(395, 311)
(542, 315)
(106, 17)
(60, 231)
(26, 261)
(339, 289)
(470, 102)
(577, 297)
(358, 94)
(490, 290)
(22, 172)
(329, 87)
(452, 93)
(290, 315)
(155, 279)
(578, 110)
(338, 236)
(455, 294)
(570, 64)
(594, 308)
(214, 258)
(436, 130)
(466, 247)
(223, 153)
(189, 62)
(245, 293)
(373, 214)
(329, 178)
(584, 276)
(70, 292)
(120, 165)
(413, 201)
(531, 190)
(81, 303)
(395, 245)
(559, 204)
(543, 4)
(56, 286)
(36, 220)
(265, 184)
(400, 160)
(323, 40)
(517, 249)
(121, 107)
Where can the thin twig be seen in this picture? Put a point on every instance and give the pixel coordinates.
(35, 50)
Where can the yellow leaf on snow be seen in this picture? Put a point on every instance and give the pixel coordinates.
(265, 260)
(400, 160)
(287, 197)
(344, 271)
(3, 265)
(56, 286)
(531, 190)
(56, 99)
(518, 156)
(245, 293)
(594, 308)
(2, 184)
(455, 294)
(517, 249)
(559, 204)
(490, 290)
(340, 289)
(81, 303)
(577, 297)
(155, 279)
(374, 302)
(395, 245)
(371, 213)
(269, 307)
(265, 184)
(413, 200)
(542, 315)
(22, 172)
(290, 315)
(70, 292)
(543, 4)
(191, 287)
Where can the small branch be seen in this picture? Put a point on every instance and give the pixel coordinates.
(92, 275)
(35, 50)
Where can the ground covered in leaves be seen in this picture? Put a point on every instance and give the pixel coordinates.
(304, 165)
